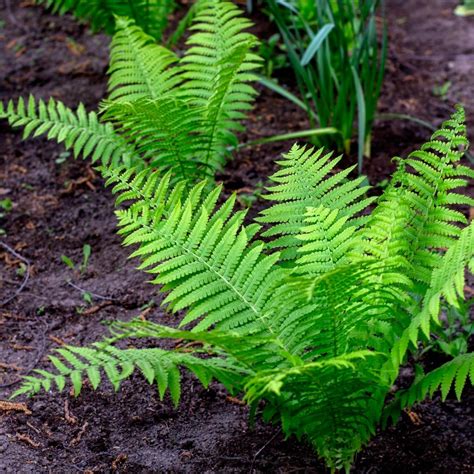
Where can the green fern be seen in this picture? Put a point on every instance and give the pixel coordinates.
(319, 333)
(80, 131)
(305, 180)
(453, 373)
(150, 15)
(156, 365)
(139, 68)
(162, 111)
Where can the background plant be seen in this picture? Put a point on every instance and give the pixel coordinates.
(338, 57)
(162, 111)
(316, 320)
(150, 15)
(466, 8)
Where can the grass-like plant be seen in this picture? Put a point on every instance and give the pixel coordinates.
(466, 8)
(316, 314)
(338, 58)
(150, 15)
(163, 111)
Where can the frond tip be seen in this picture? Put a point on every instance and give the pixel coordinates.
(156, 365)
(79, 130)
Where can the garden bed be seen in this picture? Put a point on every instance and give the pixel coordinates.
(60, 204)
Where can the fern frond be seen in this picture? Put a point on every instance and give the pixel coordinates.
(453, 373)
(326, 241)
(79, 130)
(425, 181)
(156, 365)
(448, 282)
(217, 69)
(166, 131)
(328, 315)
(201, 255)
(305, 180)
(150, 15)
(139, 68)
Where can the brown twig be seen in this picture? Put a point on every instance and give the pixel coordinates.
(26, 277)
(79, 435)
(27, 439)
(39, 354)
(67, 414)
(12, 406)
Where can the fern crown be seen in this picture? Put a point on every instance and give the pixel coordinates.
(315, 312)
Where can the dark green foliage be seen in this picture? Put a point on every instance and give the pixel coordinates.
(150, 15)
(163, 111)
(320, 331)
(337, 53)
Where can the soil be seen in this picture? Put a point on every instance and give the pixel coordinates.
(59, 205)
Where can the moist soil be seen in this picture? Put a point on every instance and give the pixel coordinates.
(60, 204)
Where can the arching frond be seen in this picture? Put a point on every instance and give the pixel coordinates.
(455, 373)
(199, 253)
(79, 130)
(158, 366)
(419, 202)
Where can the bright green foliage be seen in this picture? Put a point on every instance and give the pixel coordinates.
(156, 365)
(139, 68)
(306, 179)
(164, 111)
(319, 335)
(150, 15)
(79, 130)
(456, 371)
(200, 253)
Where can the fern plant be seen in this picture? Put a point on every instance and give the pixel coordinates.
(162, 111)
(150, 15)
(318, 319)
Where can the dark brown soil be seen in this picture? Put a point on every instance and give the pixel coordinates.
(60, 206)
